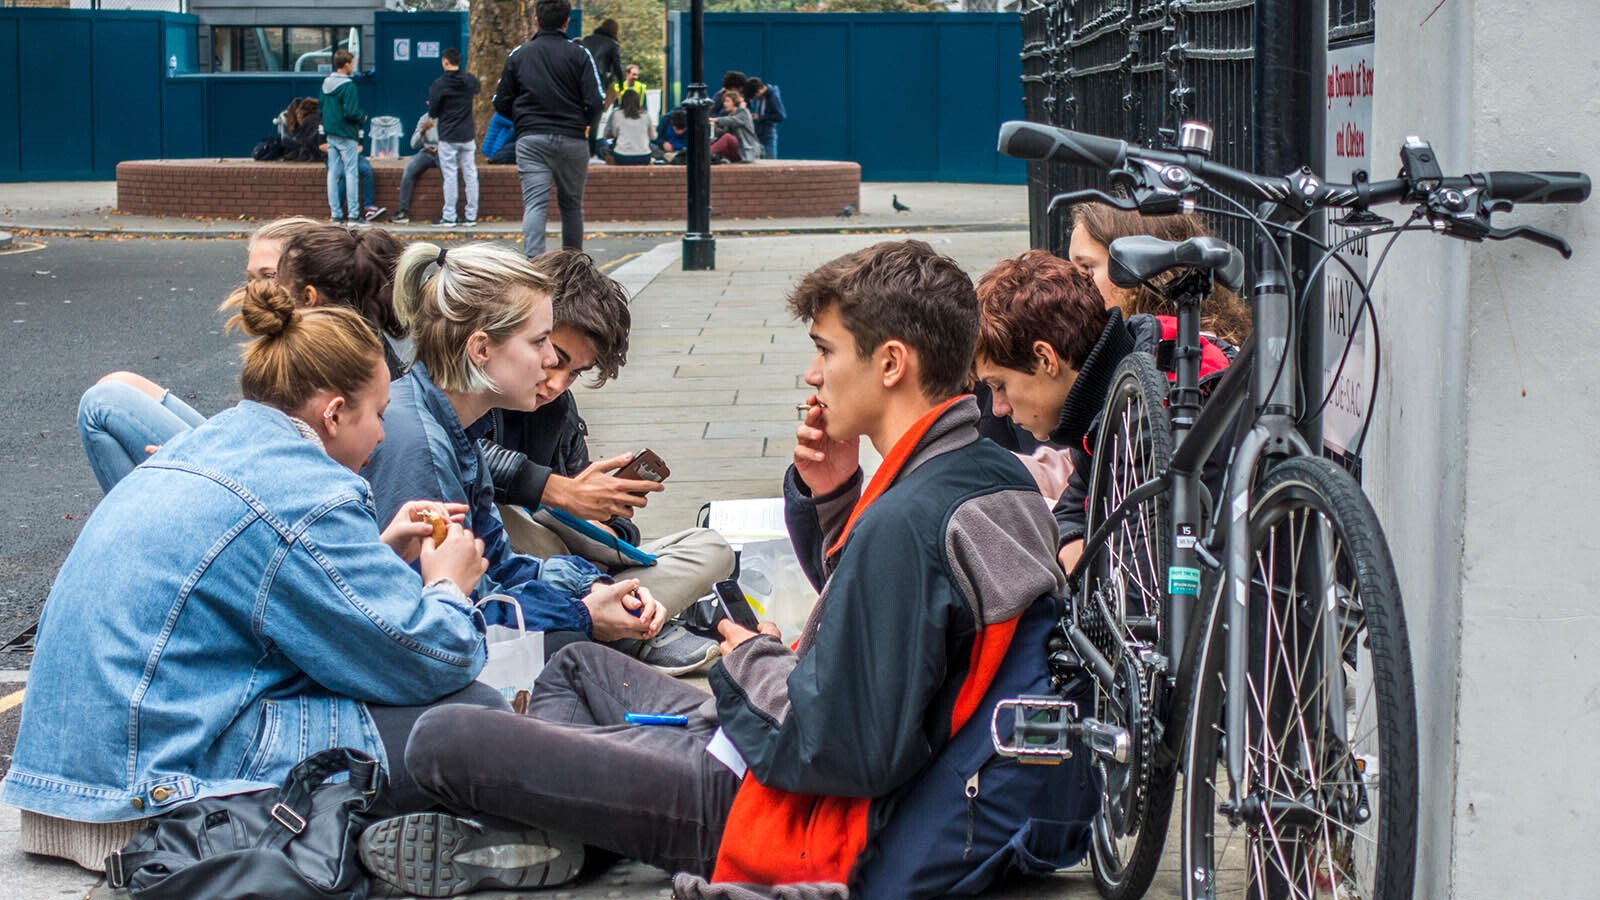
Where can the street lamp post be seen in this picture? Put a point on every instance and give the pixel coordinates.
(699, 245)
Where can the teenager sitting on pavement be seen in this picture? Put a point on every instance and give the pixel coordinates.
(424, 140)
(481, 324)
(231, 606)
(936, 584)
(1096, 225)
(1048, 350)
(125, 416)
(542, 457)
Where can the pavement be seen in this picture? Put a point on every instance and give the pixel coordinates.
(713, 377)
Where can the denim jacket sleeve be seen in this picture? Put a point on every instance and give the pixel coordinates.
(547, 590)
(342, 594)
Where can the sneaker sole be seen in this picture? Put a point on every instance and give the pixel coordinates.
(707, 662)
(439, 855)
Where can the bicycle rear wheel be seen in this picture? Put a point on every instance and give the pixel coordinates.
(1326, 804)
(1120, 608)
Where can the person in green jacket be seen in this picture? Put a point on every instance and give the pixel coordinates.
(341, 123)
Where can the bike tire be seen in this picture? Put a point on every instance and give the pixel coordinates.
(1314, 843)
(1134, 444)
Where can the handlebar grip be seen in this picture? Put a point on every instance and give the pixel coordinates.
(1537, 187)
(1030, 140)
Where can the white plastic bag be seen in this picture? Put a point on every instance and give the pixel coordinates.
(516, 655)
(776, 586)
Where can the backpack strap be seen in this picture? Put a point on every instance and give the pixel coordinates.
(292, 810)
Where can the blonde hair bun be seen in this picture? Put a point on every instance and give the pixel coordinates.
(265, 311)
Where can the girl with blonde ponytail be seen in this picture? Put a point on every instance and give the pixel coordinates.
(480, 319)
(233, 605)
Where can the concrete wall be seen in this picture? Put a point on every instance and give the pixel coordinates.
(1484, 425)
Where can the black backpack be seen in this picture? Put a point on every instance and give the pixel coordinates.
(268, 149)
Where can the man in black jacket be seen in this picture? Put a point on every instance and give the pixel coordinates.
(550, 89)
(450, 103)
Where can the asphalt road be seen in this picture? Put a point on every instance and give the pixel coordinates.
(74, 309)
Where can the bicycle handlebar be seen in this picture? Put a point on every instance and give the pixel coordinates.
(1173, 171)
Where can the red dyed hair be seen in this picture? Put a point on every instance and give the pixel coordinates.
(1038, 297)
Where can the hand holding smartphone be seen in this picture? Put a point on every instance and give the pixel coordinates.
(731, 604)
(646, 466)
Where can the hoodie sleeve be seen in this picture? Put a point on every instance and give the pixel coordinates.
(505, 93)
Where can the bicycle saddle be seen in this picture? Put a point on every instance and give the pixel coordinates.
(1137, 259)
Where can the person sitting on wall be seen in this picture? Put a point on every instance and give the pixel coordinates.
(424, 140)
(630, 131)
(736, 141)
(672, 137)
(499, 141)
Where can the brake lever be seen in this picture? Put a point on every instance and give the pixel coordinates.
(1527, 232)
(1093, 196)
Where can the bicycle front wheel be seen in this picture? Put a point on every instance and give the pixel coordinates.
(1120, 608)
(1326, 803)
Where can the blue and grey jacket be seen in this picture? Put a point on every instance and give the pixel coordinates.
(426, 454)
(228, 610)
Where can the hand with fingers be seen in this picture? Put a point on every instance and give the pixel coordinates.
(734, 634)
(624, 610)
(414, 522)
(823, 463)
(460, 558)
(596, 494)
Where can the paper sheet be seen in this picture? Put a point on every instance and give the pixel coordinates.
(726, 753)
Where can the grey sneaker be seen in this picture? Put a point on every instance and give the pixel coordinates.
(678, 651)
(400, 218)
(440, 855)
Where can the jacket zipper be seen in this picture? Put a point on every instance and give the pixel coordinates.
(972, 802)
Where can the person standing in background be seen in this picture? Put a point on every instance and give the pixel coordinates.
(341, 123)
(604, 45)
(766, 108)
(550, 89)
(450, 103)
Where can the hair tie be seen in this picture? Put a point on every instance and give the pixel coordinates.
(440, 261)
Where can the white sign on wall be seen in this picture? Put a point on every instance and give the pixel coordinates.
(402, 49)
(1349, 129)
(427, 49)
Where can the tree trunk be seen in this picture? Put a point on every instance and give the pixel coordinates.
(495, 28)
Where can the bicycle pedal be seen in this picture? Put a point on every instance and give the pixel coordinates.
(1041, 728)
(1110, 741)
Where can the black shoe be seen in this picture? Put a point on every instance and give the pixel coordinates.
(400, 218)
(440, 855)
(447, 223)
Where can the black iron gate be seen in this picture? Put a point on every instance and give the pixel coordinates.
(1135, 69)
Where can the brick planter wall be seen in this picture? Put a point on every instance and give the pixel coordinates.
(244, 188)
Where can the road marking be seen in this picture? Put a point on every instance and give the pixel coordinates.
(11, 700)
(607, 267)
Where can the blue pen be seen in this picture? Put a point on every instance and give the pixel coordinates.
(654, 719)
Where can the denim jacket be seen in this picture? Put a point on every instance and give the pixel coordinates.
(228, 610)
(427, 455)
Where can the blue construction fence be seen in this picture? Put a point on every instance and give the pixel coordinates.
(909, 96)
(912, 97)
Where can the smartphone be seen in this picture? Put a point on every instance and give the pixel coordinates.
(731, 603)
(646, 466)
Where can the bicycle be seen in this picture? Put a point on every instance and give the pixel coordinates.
(1285, 696)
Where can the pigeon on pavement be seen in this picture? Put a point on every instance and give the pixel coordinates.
(847, 212)
(898, 206)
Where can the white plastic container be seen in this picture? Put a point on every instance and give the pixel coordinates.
(385, 137)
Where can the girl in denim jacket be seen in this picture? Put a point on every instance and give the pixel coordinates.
(232, 605)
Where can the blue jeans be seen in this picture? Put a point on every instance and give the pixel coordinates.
(769, 141)
(543, 160)
(415, 166)
(117, 421)
(342, 167)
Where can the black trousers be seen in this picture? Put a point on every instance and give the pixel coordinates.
(572, 765)
(394, 729)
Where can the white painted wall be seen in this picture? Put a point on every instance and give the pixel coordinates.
(1485, 422)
